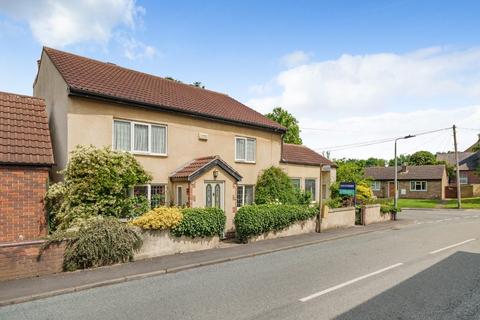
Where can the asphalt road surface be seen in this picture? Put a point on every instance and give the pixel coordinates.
(427, 270)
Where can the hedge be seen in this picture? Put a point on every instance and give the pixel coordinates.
(257, 219)
(200, 222)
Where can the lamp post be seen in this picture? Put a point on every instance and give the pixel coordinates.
(395, 183)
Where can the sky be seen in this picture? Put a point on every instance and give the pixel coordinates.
(349, 71)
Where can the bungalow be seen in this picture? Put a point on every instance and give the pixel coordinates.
(25, 160)
(203, 148)
(414, 182)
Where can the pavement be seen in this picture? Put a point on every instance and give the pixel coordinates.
(423, 267)
(28, 289)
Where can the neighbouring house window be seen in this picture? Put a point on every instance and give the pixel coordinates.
(418, 185)
(139, 137)
(376, 185)
(463, 178)
(155, 193)
(244, 195)
(310, 186)
(295, 182)
(245, 149)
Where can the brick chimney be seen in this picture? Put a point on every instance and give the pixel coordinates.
(403, 168)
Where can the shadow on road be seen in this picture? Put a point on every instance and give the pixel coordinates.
(449, 290)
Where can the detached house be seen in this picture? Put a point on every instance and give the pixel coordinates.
(202, 148)
(414, 182)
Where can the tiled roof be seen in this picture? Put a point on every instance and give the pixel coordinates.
(24, 134)
(466, 160)
(298, 154)
(198, 166)
(106, 80)
(427, 172)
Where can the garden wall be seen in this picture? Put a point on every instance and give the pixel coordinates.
(300, 227)
(372, 214)
(22, 259)
(161, 243)
(338, 218)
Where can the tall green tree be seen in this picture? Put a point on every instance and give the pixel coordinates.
(287, 120)
(421, 158)
(401, 159)
(375, 162)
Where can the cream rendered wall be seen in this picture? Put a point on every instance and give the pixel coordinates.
(50, 86)
(230, 195)
(91, 122)
(304, 172)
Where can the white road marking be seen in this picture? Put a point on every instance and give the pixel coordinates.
(448, 219)
(320, 293)
(452, 246)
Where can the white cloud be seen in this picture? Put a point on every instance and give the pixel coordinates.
(372, 82)
(359, 98)
(63, 23)
(350, 130)
(295, 58)
(134, 49)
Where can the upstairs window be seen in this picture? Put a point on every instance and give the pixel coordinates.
(245, 149)
(139, 137)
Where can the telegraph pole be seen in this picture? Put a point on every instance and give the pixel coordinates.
(459, 193)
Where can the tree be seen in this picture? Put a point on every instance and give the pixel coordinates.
(96, 183)
(421, 158)
(350, 171)
(401, 159)
(274, 185)
(375, 162)
(287, 120)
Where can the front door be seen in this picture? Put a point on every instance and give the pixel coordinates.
(214, 194)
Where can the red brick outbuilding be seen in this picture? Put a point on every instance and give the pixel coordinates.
(25, 159)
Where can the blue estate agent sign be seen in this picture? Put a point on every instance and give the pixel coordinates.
(347, 189)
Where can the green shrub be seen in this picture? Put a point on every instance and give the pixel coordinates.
(334, 203)
(160, 218)
(100, 242)
(200, 222)
(96, 183)
(274, 186)
(388, 207)
(257, 219)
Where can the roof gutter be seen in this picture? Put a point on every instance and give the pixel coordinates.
(102, 97)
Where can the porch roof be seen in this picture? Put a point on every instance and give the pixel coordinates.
(197, 167)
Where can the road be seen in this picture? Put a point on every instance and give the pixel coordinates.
(426, 270)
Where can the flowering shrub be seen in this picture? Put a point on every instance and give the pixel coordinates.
(160, 218)
(96, 183)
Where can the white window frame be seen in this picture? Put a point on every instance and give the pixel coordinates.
(376, 185)
(463, 178)
(237, 159)
(415, 183)
(132, 137)
(299, 182)
(314, 196)
(149, 191)
(242, 186)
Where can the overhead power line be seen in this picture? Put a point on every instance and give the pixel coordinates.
(373, 142)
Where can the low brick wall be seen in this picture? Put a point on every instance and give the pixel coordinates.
(338, 218)
(161, 243)
(22, 259)
(372, 214)
(300, 227)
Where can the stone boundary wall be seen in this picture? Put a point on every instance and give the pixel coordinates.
(372, 214)
(23, 259)
(338, 218)
(158, 243)
(300, 227)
